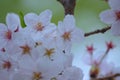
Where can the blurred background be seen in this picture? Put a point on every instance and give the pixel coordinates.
(87, 18)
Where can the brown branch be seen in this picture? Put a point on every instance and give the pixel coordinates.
(97, 31)
(69, 6)
(109, 77)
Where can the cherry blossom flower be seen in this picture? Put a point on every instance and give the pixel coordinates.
(8, 32)
(39, 23)
(7, 66)
(29, 70)
(27, 47)
(112, 16)
(68, 31)
(36, 71)
(98, 70)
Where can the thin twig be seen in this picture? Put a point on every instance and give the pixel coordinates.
(97, 31)
(69, 6)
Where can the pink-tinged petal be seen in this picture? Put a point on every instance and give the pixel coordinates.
(12, 21)
(114, 4)
(31, 19)
(69, 22)
(108, 16)
(77, 35)
(115, 29)
(45, 17)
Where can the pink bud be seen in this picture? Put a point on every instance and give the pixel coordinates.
(110, 45)
(90, 49)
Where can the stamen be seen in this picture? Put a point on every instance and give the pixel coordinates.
(26, 49)
(66, 36)
(37, 76)
(8, 35)
(49, 52)
(39, 27)
(7, 65)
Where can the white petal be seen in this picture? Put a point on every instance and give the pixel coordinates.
(108, 16)
(115, 29)
(61, 28)
(45, 17)
(77, 35)
(50, 29)
(114, 4)
(20, 76)
(73, 73)
(30, 19)
(4, 75)
(27, 63)
(12, 21)
(69, 22)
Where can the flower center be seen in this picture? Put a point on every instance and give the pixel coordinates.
(94, 71)
(36, 76)
(49, 52)
(8, 35)
(118, 15)
(39, 27)
(66, 36)
(7, 65)
(26, 49)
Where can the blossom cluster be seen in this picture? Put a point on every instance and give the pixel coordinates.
(112, 16)
(41, 50)
(100, 67)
